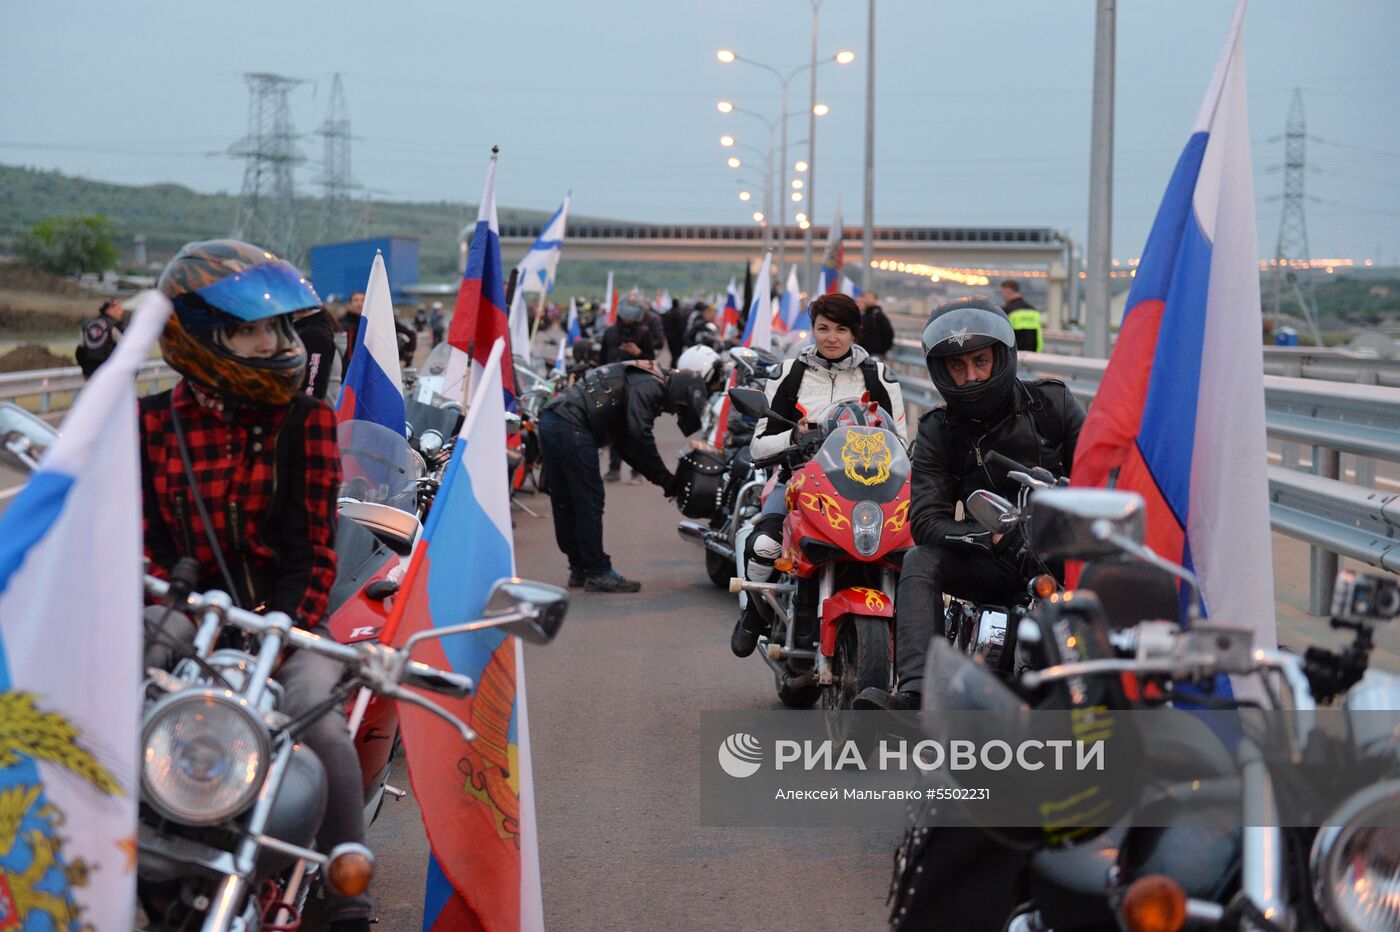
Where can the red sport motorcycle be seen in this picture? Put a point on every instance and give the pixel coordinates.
(831, 613)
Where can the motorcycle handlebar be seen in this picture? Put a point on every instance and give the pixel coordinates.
(1006, 463)
(382, 667)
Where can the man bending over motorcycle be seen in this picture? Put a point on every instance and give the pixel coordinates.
(240, 472)
(970, 350)
(834, 368)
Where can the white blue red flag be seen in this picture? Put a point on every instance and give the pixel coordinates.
(373, 387)
(609, 304)
(849, 287)
(1179, 415)
(835, 255)
(729, 320)
(478, 798)
(538, 267)
(479, 319)
(790, 305)
(520, 326)
(758, 332)
(572, 331)
(70, 661)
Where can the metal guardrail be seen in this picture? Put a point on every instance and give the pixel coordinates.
(1335, 517)
(41, 388)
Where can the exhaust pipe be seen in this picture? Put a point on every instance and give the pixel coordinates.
(692, 530)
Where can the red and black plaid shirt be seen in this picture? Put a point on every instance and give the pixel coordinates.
(268, 478)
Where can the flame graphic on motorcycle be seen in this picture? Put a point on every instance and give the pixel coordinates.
(867, 456)
(900, 517)
(874, 598)
(828, 507)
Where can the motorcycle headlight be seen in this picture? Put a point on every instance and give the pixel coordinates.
(1356, 861)
(430, 443)
(868, 521)
(204, 757)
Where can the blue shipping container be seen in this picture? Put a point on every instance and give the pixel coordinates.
(337, 269)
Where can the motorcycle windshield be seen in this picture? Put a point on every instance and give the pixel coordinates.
(377, 466)
(17, 424)
(864, 463)
(424, 417)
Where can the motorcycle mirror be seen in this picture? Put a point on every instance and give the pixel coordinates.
(751, 402)
(989, 510)
(1066, 523)
(545, 605)
(23, 437)
(512, 423)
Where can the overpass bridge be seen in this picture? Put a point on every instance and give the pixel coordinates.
(946, 246)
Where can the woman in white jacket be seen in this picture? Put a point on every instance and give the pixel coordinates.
(834, 368)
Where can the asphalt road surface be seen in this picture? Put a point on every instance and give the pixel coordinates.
(615, 707)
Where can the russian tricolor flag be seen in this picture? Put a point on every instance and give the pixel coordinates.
(373, 388)
(729, 320)
(835, 255)
(758, 334)
(479, 319)
(1180, 412)
(790, 307)
(477, 798)
(70, 660)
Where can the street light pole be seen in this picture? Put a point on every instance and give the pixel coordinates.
(811, 158)
(1097, 293)
(867, 246)
(781, 190)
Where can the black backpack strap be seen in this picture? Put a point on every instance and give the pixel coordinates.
(784, 400)
(870, 370)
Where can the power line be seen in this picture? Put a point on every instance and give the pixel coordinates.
(1288, 286)
(267, 206)
(336, 180)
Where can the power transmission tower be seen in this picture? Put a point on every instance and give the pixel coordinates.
(336, 181)
(1292, 281)
(267, 207)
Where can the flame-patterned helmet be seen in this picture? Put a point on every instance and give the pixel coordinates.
(216, 286)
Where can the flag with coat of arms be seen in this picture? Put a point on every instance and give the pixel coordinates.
(71, 603)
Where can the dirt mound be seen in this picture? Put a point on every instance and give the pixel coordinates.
(16, 276)
(32, 356)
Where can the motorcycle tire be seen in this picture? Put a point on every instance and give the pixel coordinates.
(718, 569)
(862, 660)
(801, 697)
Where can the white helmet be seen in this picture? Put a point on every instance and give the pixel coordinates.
(706, 362)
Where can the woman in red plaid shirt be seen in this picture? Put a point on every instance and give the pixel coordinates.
(240, 472)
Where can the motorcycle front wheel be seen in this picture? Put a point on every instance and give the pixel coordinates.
(862, 659)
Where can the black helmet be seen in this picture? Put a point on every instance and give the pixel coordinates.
(686, 397)
(963, 326)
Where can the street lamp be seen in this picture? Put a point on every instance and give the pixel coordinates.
(744, 195)
(727, 106)
(733, 162)
(758, 216)
(724, 106)
(844, 57)
(821, 109)
(800, 167)
(797, 197)
(726, 141)
(797, 184)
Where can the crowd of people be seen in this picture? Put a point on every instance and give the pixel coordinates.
(240, 467)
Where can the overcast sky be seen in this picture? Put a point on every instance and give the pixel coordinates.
(982, 107)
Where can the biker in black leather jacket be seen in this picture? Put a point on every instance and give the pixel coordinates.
(970, 350)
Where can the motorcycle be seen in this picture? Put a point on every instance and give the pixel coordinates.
(719, 491)
(832, 613)
(1171, 862)
(23, 438)
(989, 631)
(230, 802)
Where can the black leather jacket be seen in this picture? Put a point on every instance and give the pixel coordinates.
(619, 404)
(1040, 429)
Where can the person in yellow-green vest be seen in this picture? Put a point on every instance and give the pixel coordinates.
(1025, 320)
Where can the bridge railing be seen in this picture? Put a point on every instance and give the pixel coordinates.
(1337, 518)
(46, 390)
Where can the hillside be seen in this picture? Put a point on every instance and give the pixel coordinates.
(169, 215)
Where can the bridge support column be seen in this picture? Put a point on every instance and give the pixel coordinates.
(1054, 317)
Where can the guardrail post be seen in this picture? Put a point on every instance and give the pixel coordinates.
(1365, 472)
(45, 402)
(1327, 463)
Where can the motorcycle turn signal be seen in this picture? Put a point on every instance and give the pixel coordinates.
(1044, 586)
(350, 869)
(1154, 903)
